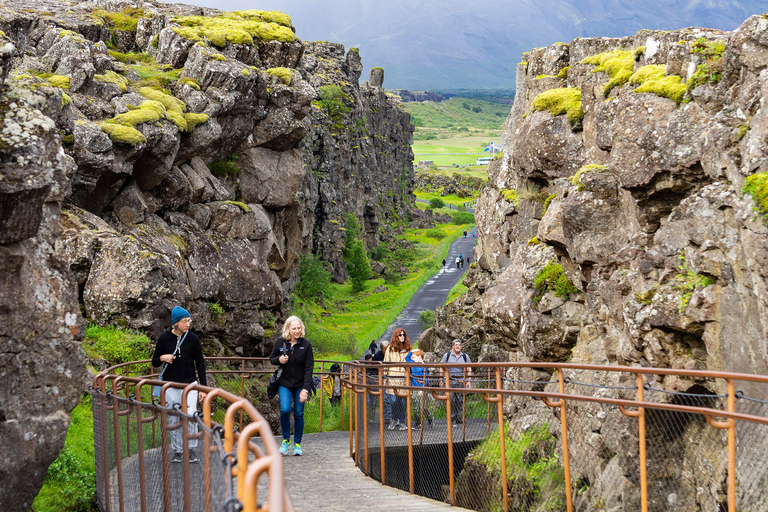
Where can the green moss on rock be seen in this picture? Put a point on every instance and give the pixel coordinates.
(239, 204)
(111, 77)
(511, 195)
(120, 134)
(652, 79)
(574, 180)
(60, 81)
(566, 100)
(241, 27)
(617, 64)
(284, 74)
(190, 82)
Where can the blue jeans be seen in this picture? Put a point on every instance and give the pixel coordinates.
(286, 395)
(387, 406)
(398, 408)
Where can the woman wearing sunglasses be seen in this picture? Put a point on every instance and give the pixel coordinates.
(398, 349)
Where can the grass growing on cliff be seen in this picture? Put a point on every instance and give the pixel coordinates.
(457, 291)
(756, 186)
(345, 322)
(70, 485)
(552, 278)
(533, 467)
(711, 70)
(116, 345)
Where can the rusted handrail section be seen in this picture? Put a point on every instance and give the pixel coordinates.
(126, 395)
(556, 393)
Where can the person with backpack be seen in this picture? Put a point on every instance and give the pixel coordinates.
(396, 352)
(332, 384)
(294, 353)
(180, 354)
(458, 261)
(460, 377)
(420, 378)
(379, 357)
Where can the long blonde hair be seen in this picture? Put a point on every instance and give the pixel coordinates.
(287, 325)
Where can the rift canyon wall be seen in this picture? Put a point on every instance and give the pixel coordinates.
(632, 189)
(155, 155)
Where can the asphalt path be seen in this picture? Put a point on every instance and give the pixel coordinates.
(434, 292)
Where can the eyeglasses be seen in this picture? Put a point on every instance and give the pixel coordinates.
(185, 321)
(401, 334)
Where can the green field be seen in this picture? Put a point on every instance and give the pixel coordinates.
(454, 116)
(456, 150)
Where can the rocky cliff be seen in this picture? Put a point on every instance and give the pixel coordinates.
(155, 155)
(625, 224)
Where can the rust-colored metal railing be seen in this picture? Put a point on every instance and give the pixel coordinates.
(556, 439)
(131, 427)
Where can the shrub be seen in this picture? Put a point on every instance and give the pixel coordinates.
(392, 276)
(426, 319)
(711, 71)
(436, 202)
(477, 110)
(466, 106)
(436, 233)
(552, 278)
(115, 345)
(314, 280)
(331, 100)
(463, 218)
(216, 310)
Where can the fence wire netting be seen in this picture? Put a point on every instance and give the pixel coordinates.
(686, 457)
(135, 469)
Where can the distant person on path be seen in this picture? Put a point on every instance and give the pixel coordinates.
(443, 265)
(181, 355)
(474, 234)
(332, 384)
(468, 260)
(465, 233)
(458, 261)
(397, 351)
(379, 356)
(373, 347)
(419, 378)
(294, 353)
(460, 377)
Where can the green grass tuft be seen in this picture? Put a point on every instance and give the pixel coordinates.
(553, 278)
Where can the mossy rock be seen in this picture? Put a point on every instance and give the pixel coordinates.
(111, 77)
(120, 134)
(617, 64)
(284, 74)
(239, 204)
(757, 187)
(574, 180)
(652, 79)
(566, 100)
(241, 27)
(60, 81)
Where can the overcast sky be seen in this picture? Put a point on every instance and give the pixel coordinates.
(450, 44)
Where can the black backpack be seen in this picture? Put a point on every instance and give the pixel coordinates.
(447, 354)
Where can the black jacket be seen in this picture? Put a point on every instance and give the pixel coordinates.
(297, 372)
(183, 368)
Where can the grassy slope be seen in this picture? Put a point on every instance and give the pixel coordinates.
(356, 319)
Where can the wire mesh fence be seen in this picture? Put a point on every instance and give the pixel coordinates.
(574, 437)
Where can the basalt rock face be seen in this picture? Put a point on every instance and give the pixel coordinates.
(640, 205)
(41, 364)
(152, 159)
(358, 157)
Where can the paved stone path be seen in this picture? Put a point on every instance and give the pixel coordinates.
(434, 292)
(326, 478)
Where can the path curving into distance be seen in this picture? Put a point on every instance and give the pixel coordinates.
(433, 293)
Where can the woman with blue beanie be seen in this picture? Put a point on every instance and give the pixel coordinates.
(180, 353)
(294, 353)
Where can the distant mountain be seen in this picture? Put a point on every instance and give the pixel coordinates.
(456, 44)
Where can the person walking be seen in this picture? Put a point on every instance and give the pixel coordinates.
(458, 379)
(458, 262)
(465, 231)
(398, 349)
(379, 357)
(294, 353)
(180, 354)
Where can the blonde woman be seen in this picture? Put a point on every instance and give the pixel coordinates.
(398, 349)
(294, 353)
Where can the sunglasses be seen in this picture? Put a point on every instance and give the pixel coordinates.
(401, 334)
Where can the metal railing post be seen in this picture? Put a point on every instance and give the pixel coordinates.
(448, 422)
(322, 389)
(502, 444)
(730, 426)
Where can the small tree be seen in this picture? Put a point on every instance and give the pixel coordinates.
(358, 266)
(331, 99)
(436, 202)
(426, 319)
(314, 280)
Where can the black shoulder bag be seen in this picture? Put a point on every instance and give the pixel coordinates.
(273, 385)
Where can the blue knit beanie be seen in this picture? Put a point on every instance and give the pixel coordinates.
(178, 314)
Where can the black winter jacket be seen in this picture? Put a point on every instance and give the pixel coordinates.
(297, 372)
(183, 367)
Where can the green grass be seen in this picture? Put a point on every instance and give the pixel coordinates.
(457, 291)
(350, 321)
(459, 150)
(452, 114)
(451, 199)
(116, 345)
(70, 485)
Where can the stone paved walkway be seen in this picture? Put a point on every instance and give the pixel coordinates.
(325, 478)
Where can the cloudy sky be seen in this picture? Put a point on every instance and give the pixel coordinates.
(452, 44)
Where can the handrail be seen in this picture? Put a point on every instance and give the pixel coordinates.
(498, 389)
